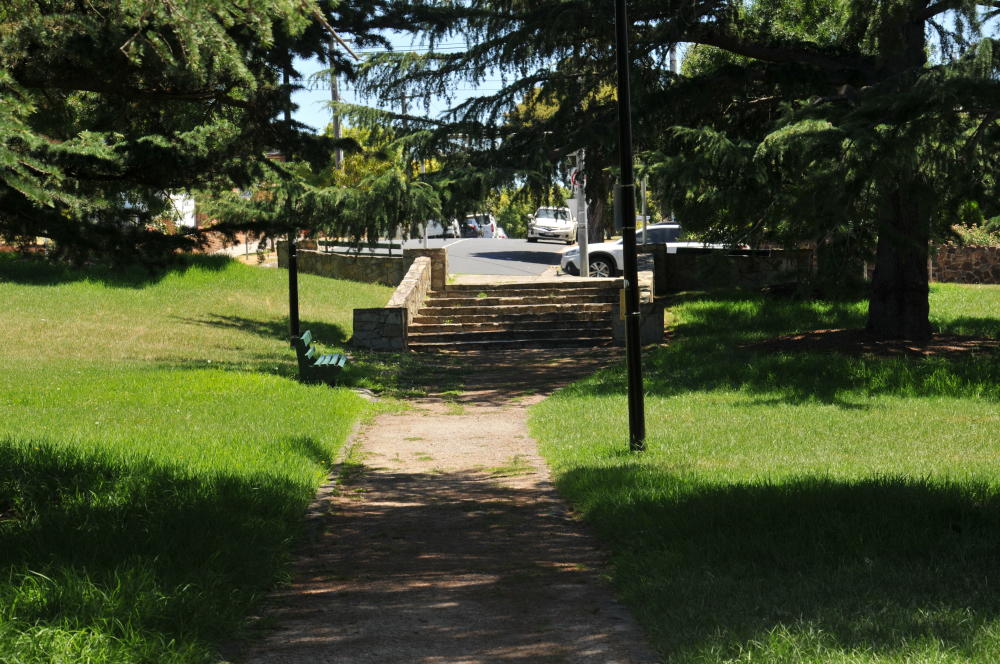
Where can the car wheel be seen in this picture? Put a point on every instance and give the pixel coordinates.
(532, 239)
(601, 267)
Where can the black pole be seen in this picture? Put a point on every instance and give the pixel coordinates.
(633, 351)
(293, 259)
(293, 287)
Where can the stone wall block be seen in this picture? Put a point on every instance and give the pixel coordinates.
(385, 270)
(966, 265)
(697, 271)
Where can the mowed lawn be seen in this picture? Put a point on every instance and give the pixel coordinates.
(797, 507)
(156, 453)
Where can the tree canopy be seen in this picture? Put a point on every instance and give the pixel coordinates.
(795, 120)
(108, 106)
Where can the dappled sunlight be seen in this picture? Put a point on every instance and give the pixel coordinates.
(876, 565)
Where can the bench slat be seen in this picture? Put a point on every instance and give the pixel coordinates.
(336, 360)
(313, 366)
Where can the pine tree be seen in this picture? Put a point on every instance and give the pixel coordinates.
(108, 106)
(825, 121)
(805, 118)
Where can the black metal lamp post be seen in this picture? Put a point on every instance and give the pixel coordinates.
(633, 351)
(293, 287)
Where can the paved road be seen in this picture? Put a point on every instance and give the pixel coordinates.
(505, 257)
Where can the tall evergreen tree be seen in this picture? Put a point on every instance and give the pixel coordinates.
(109, 105)
(826, 121)
(825, 114)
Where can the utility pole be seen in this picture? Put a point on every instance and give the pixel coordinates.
(633, 352)
(580, 194)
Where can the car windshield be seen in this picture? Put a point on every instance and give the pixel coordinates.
(660, 235)
(481, 219)
(552, 213)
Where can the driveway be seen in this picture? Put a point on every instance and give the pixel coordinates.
(501, 257)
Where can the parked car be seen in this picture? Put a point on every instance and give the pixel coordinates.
(552, 223)
(501, 234)
(468, 228)
(486, 225)
(606, 257)
(437, 228)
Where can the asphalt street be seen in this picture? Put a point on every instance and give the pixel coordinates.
(502, 257)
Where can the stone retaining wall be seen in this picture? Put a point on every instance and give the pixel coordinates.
(385, 270)
(413, 289)
(966, 265)
(384, 329)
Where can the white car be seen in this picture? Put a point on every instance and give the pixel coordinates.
(485, 223)
(552, 223)
(606, 257)
(436, 228)
(501, 234)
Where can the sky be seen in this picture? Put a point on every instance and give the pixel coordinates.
(313, 109)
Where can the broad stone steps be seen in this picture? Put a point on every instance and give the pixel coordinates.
(505, 300)
(563, 314)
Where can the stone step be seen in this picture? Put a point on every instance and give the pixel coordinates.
(553, 284)
(524, 292)
(509, 344)
(529, 325)
(504, 335)
(514, 309)
(493, 301)
(493, 317)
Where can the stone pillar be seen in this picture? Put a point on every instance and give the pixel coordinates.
(650, 323)
(439, 264)
(382, 329)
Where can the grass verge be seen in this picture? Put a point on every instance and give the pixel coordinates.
(797, 507)
(155, 454)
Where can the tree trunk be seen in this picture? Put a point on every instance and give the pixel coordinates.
(598, 221)
(898, 308)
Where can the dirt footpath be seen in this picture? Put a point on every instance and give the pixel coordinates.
(444, 542)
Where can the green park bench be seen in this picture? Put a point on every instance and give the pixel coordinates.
(315, 368)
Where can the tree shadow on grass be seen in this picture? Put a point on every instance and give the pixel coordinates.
(36, 271)
(880, 565)
(973, 326)
(172, 554)
(274, 328)
(711, 350)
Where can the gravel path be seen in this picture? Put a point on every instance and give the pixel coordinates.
(444, 542)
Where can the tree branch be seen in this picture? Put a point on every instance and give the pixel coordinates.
(801, 53)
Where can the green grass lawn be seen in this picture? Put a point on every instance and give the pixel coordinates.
(797, 507)
(156, 453)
